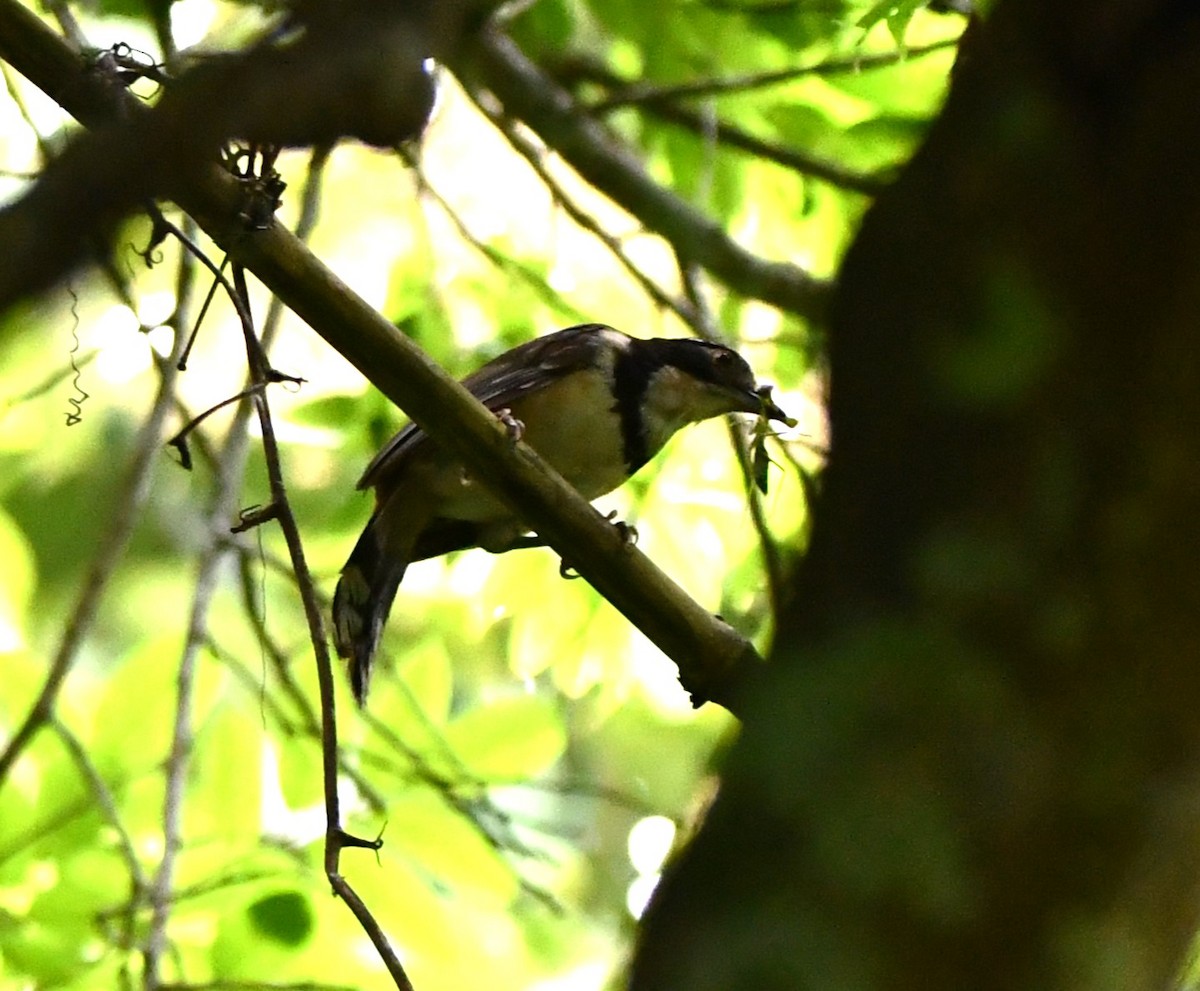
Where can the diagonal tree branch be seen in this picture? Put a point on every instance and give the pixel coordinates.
(713, 657)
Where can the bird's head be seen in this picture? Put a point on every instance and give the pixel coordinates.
(687, 381)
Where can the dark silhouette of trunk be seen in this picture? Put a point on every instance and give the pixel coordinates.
(975, 762)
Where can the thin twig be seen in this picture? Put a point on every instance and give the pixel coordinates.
(310, 724)
(310, 210)
(67, 23)
(50, 383)
(281, 666)
(275, 654)
(270, 706)
(772, 562)
(533, 155)
(104, 798)
(630, 93)
(234, 878)
(505, 263)
(706, 124)
(465, 794)
(108, 808)
(800, 162)
(335, 837)
(495, 62)
(230, 471)
(231, 462)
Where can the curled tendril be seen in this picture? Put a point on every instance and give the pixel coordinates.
(75, 414)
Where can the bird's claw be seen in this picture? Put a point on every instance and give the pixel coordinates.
(628, 532)
(629, 537)
(514, 427)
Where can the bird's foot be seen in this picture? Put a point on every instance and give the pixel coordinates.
(514, 427)
(628, 532)
(629, 537)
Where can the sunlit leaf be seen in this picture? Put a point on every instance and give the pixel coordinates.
(547, 628)
(550, 21)
(225, 793)
(446, 848)
(300, 774)
(269, 934)
(896, 13)
(509, 739)
(139, 698)
(89, 881)
(333, 412)
(428, 678)
(48, 954)
(16, 587)
(882, 144)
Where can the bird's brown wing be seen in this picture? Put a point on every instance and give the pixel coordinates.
(500, 383)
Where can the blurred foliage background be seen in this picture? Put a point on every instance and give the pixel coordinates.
(529, 759)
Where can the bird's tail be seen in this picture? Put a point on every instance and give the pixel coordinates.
(361, 604)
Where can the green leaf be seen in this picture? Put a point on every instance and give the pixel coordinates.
(16, 590)
(65, 816)
(272, 934)
(801, 125)
(22, 673)
(540, 638)
(911, 87)
(134, 9)
(225, 794)
(415, 308)
(139, 697)
(285, 917)
(18, 810)
(49, 955)
(300, 772)
(897, 14)
(510, 739)
(89, 881)
(882, 142)
(547, 25)
(428, 678)
(330, 412)
(446, 848)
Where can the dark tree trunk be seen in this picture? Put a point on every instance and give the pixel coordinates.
(975, 762)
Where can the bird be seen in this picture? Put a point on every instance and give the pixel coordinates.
(594, 402)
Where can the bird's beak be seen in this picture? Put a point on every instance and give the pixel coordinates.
(771, 410)
(760, 402)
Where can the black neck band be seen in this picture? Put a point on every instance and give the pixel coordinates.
(631, 378)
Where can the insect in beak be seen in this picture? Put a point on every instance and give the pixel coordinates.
(760, 459)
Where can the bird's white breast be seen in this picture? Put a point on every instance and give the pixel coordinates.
(585, 448)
